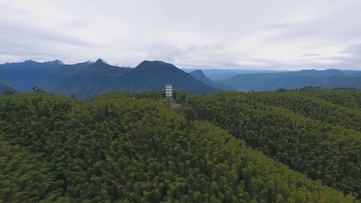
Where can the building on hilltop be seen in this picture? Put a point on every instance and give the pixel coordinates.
(169, 91)
(169, 94)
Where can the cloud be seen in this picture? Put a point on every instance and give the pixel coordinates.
(223, 34)
(284, 25)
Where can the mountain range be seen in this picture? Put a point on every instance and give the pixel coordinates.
(88, 79)
(330, 78)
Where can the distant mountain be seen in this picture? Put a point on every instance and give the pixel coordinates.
(29, 73)
(222, 74)
(83, 79)
(343, 81)
(291, 80)
(199, 75)
(88, 79)
(150, 75)
(93, 78)
(4, 88)
(4, 79)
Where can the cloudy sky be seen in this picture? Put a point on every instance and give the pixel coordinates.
(263, 34)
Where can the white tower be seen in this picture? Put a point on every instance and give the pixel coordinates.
(169, 90)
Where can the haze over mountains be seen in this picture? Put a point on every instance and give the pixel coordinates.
(331, 78)
(88, 79)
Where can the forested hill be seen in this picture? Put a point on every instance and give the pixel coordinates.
(131, 147)
(311, 135)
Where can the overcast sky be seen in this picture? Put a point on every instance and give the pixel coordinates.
(263, 34)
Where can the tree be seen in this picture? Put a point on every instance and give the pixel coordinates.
(35, 89)
(8, 92)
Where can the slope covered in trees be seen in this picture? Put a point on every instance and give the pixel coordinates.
(124, 148)
(324, 151)
(312, 107)
(343, 97)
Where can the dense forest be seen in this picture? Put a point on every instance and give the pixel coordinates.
(283, 146)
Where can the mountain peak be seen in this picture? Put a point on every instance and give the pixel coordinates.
(30, 61)
(198, 73)
(99, 61)
(55, 62)
(155, 65)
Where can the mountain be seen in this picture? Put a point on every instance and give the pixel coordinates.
(29, 73)
(4, 88)
(199, 75)
(4, 79)
(84, 79)
(291, 80)
(88, 79)
(222, 74)
(150, 75)
(343, 81)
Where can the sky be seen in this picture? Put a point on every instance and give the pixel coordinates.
(227, 34)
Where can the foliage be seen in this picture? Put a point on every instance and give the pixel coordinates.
(316, 146)
(120, 148)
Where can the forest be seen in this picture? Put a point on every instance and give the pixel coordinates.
(287, 146)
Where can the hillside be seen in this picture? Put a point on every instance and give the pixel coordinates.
(150, 75)
(291, 80)
(5, 80)
(57, 77)
(310, 135)
(353, 81)
(346, 98)
(83, 80)
(28, 74)
(199, 75)
(117, 148)
(4, 88)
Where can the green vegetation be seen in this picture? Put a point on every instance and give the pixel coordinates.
(131, 147)
(342, 97)
(324, 151)
(311, 107)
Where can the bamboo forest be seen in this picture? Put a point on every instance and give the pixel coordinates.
(285, 146)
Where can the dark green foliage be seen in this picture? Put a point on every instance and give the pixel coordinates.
(314, 108)
(319, 146)
(121, 148)
(343, 97)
